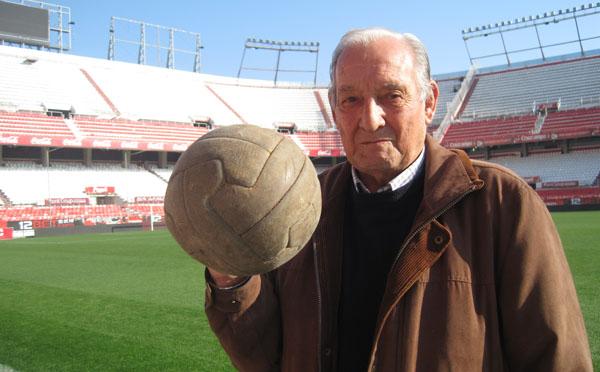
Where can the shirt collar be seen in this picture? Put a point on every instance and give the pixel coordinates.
(401, 181)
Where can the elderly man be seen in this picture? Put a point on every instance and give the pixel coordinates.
(423, 260)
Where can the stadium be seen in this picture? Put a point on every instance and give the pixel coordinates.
(87, 146)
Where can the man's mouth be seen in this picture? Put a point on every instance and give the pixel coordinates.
(375, 141)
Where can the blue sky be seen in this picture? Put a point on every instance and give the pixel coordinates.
(225, 25)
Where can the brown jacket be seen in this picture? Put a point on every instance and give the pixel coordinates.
(481, 283)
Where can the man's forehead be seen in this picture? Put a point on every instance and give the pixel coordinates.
(395, 84)
(374, 76)
(356, 62)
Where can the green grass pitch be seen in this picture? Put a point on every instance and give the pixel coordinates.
(134, 301)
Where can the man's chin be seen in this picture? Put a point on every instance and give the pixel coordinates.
(375, 166)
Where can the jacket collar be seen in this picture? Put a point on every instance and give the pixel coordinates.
(448, 174)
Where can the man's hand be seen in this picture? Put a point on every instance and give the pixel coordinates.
(225, 280)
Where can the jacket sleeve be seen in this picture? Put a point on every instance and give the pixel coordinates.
(541, 322)
(246, 320)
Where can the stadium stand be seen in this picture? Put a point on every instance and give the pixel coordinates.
(31, 82)
(34, 124)
(31, 183)
(573, 83)
(314, 144)
(541, 120)
(164, 173)
(448, 89)
(576, 123)
(85, 215)
(297, 106)
(571, 196)
(127, 130)
(580, 166)
(153, 93)
(493, 131)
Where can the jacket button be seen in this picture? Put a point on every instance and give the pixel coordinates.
(233, 301)
(438, 239)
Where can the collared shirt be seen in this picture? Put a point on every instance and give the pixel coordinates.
(400, 182)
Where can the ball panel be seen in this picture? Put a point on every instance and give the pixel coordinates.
(231, 152)
(199, 230)
(252, 204)
(302, 197)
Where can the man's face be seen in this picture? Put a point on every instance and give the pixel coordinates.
(378, 108)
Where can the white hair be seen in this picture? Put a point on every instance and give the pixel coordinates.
(366, 36)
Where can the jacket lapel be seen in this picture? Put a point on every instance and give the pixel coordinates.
(448, 178)
(330, 245)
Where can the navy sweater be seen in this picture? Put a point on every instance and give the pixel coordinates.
(374, 230)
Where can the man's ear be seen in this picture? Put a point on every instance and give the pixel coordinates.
(331, 98)
(431, 101)
(334, 119)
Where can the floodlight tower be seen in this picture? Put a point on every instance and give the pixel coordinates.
(280, 47)
(546, 19)
(143, 44)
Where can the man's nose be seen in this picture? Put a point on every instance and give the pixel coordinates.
(372, 116)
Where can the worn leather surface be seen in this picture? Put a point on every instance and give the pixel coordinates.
(243, 200)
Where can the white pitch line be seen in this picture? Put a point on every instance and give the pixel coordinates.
(4, 368)
(78, 241)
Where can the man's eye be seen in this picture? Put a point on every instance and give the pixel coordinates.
(349, 101)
